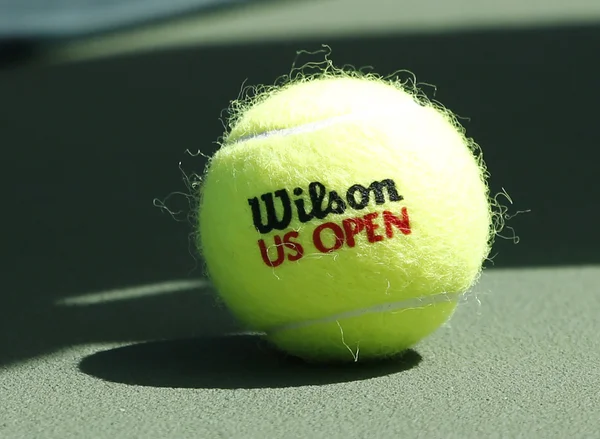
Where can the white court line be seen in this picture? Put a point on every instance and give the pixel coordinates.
(127, 293)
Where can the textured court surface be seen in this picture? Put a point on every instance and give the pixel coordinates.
(521, 361)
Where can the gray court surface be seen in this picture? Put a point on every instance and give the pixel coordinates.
(108, 328)
(520, 359)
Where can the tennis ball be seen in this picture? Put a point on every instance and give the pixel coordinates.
(343, 216)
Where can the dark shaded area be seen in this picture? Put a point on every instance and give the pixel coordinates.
(87, 147)
(33, 325)
(17, 52)
(227, 362)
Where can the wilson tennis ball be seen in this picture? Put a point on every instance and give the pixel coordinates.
(343, 217)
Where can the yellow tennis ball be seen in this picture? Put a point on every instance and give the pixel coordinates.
(343, 216)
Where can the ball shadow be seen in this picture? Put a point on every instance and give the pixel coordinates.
(227, 362)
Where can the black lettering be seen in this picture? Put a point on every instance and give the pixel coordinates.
(351, 197)
(377, 188)
(272, 222)
(316, 191)
(336, 204)
(357, 197)
(303, 216)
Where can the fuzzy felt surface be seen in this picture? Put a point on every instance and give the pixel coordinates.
(336, 194)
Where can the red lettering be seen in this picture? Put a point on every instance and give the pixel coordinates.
(371, 227)
(329, 237)
(392, 220)
(337, 231)
(264, 252)
(352, 227)
(292, 245)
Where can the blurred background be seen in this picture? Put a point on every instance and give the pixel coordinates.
(99, 102)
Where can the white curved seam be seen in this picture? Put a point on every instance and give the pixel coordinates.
(416, 302)
(306, 128)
